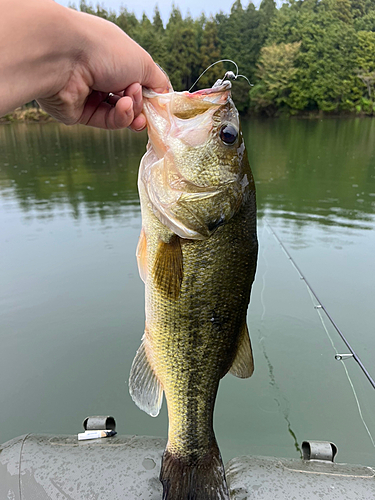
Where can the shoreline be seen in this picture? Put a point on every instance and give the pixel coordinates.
(38, 115)
(27, 115)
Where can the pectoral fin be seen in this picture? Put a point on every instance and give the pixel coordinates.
(243, 364)
(144, 387)
(168, 267)
(141, 254)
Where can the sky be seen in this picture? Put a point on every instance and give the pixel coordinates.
(195, 7)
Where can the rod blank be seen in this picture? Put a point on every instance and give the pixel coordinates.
(339, 357)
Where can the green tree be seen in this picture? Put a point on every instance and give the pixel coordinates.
(334, 61)
(325, 61)
(365, 71)
(366, 23)
(342, 9)
(242, 35)
(128, 22)
(158, 48)
(277, 74)
(146, 34)
(210, 52)
(182, 55)
(358, 8)
(85, 7)
(158, 22)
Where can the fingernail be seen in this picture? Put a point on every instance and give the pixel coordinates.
(164, 90)
(139, 129)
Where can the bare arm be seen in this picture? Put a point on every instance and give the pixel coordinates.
(70, 61)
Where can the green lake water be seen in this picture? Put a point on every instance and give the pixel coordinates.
(72, 303)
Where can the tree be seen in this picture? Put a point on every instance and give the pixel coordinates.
(365, 71)
(325, 61)
(157, 47)
(277, 74)
(210, 52)
(366, 23)
(128, 22)
(182, 56)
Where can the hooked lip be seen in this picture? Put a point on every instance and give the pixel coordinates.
(174, 114)
(221, 88)
(226, 85)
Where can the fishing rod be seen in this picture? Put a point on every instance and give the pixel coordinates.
(339, 357)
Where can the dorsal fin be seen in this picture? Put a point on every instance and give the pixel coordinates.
(144, 387)
(243, 364)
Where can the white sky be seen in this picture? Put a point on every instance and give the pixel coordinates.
(196, 7)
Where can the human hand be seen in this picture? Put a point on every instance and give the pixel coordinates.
(104, 88)
(72, 63)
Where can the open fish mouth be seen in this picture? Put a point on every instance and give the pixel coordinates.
(186, 116)
(186, 104)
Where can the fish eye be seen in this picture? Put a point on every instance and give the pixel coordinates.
(228, 134)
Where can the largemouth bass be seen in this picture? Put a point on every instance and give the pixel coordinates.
(197, 255)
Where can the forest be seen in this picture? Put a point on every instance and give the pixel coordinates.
(306, 57)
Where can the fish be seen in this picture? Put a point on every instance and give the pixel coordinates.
(197, 255)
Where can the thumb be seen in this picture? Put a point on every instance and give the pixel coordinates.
(155, 77)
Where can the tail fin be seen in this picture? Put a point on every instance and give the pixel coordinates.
(202, 479)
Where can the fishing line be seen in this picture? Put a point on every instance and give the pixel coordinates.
(321, 306)
(345, 368)
(228, 75)
(318, 309)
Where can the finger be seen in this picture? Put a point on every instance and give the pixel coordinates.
(110, 117)
(135, 92)
(93, 101)
(169, 87)
(139, 123)
(154, 77)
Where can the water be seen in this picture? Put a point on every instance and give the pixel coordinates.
(71, 301)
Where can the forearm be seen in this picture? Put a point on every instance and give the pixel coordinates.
(37, 50)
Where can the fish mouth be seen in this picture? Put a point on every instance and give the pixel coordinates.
(222, 89)
(185, 116)
(216, 88)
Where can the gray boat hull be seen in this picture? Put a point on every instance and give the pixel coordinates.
(45, 467)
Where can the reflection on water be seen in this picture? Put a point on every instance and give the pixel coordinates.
(277, 396)
(52, 169)
(306, 171)
(320, 171)
(72, 304)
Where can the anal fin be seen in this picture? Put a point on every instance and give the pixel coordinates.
(168, 267)
(144, 387)
(243, 364)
